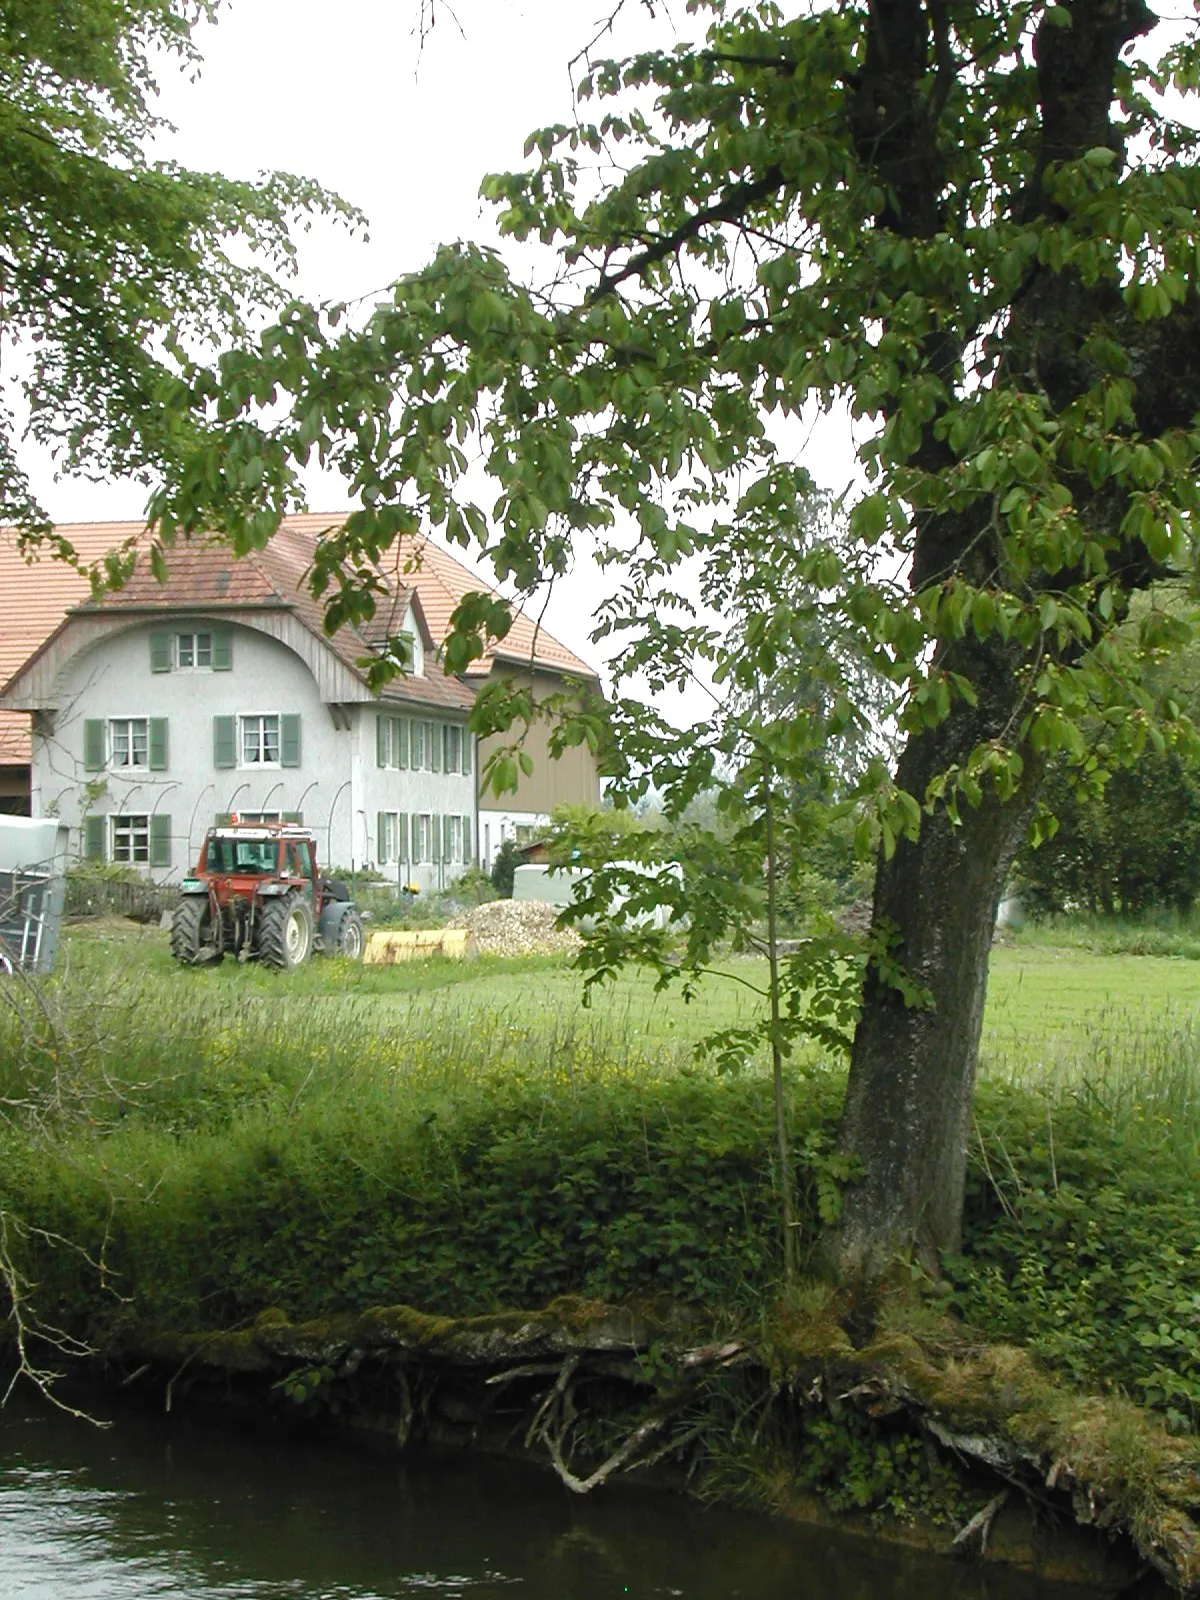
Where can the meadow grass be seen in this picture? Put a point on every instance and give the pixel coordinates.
(1047, 1004)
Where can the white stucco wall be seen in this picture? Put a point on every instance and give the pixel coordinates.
(337, 786)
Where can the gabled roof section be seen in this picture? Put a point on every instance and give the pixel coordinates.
(36, 597)
(442, 581)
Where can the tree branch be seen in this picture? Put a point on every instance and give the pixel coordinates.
(730, 208)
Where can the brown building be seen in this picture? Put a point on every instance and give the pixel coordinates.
(35, 598)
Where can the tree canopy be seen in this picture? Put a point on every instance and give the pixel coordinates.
(113, 265)
(973, 225)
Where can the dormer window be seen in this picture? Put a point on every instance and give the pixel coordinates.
(194, 649)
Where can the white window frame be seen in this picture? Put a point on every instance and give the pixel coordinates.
(455, 853)
(392, 739)
(137, 823)
(452, 744)
(422, 844)
(391, 841)
(110, 744)
(195, 635)
(243, 717)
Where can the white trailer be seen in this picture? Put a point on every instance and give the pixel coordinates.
(33, 869)
(555, 886)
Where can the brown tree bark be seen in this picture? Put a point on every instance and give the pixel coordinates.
(908, 1107)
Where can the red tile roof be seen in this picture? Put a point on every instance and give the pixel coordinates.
(442, 580)
(35, 598)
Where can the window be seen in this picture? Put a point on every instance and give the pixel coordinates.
(194, 649)
(452, 741)
(422, 838)
(418, 746)
(131, 838)
(388, 836)
(260, 741)
(454, 839)
(129, 742)
(242, 855)
(257, 817)
(524, 833)
(391, 749)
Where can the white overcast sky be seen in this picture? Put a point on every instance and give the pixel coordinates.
(340, 92)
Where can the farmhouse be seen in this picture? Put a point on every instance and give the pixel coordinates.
(140, 717)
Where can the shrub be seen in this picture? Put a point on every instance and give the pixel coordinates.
(507, 860)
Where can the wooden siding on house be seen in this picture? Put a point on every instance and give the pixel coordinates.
(571, 779)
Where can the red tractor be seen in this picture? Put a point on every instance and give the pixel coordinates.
(257, 893)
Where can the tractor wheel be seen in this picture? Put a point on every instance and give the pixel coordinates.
(352, 939)
(192, 932)
(285, 932)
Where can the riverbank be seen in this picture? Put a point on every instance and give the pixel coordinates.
(172, 1180)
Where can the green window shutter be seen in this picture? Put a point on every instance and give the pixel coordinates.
(400, 739)
(447, 763)
(289, 740)
(446, 855)
(468, 840)
(381, 723)
(93, 837)
(222, 649)
(224, 743)
(93, 745)
(468, 742)
(158, 746)
(433, 734)
(380, 841)
(402, 836)
(292, 816)
(160, 840)
(160, 650)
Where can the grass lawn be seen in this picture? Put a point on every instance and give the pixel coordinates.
(1047, 1005)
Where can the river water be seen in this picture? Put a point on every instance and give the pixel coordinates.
(181, 1508)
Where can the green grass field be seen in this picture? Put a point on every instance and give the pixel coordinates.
(1048, 1005)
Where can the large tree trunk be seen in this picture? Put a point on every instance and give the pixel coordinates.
(907, 1115)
